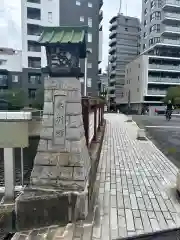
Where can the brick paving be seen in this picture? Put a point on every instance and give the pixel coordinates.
(137, 192)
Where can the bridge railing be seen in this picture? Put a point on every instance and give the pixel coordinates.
(93, 115)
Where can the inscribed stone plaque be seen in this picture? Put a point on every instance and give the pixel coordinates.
(59, 121)
(14, 134)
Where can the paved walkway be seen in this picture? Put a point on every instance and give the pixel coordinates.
(137, 189)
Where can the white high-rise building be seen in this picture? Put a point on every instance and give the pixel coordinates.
(158, 67)
(35, 13)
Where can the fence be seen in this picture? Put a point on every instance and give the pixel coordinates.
(93, 116)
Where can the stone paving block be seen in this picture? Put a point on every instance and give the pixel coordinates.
(146, 222)
(133, 201)
(138, 224)
(155, 225)
(129, 220)
(151, 214)
(161, 220)
(141, 203)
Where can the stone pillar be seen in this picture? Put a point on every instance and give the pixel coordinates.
(59, 180)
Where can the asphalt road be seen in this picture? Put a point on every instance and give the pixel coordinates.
(165, 134)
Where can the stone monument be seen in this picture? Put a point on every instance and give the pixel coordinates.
(58, 191)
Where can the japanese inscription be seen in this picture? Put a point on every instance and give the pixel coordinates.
(59, 121)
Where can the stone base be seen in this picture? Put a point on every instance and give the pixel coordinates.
(35, 209)
(129, 119)
(141, 135)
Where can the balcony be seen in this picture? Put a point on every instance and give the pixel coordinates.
(156, 92)
(113, 64)
(33, 47)
(113, 34)
(33, 13)
(100, 15)
(171, 41)
(165, 67)
(100, 4)
(171, 30)
(171, 16)
(112, 42)
(171, 5)
(113, 72)
(34, 1)
(113, 26)
(111, 88)
(33, 30)
(166, 80)
(112, 79)
(113, 58)
(34, 62)
(112, 95)
(112, 50)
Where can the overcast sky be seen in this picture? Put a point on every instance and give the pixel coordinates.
(10, 21)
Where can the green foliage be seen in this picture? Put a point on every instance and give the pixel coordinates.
(173, 94)
(15, 97)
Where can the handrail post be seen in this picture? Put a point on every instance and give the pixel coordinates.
(95, 121)
(85, 113)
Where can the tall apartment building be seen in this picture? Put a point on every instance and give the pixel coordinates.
(124, 47)
(161, 42)
(37, 13)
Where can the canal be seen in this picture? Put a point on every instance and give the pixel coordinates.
(29, 155)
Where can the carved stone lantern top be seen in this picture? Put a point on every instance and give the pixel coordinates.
(65, 46)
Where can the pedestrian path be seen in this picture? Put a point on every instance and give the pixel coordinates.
(137, 192)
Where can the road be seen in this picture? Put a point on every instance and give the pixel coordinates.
(165, 135)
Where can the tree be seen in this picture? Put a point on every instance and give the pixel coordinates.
(15, 97)
(173, 94)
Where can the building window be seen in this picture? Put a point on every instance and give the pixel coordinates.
(33, 47)
(89, 82)
(49, 16)
(81, 19)
(89, 65)
(145, 11)
(155, 28)
(3, 61)
(15, 78)
(34, 78)
(3, 80)
(138, 78)
(90, 22)
(126, 20)
(89, 37)
(32, 93)
(137, 89)
(139, 65)
(126, 29)
(155, 16)
(145, 34)
(78, 3)
(152, 3)
(144, 46)
(145, 23)
(145, 1)
(34, 62)
(90, 4)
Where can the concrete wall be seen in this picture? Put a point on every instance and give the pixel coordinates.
(136, 79)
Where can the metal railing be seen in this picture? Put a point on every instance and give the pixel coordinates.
(171, 2)
(164, 67)
(156, 92)
(93, 118)
(172, 15)
(164, 80)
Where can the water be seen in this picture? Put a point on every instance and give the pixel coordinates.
(29, 154)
